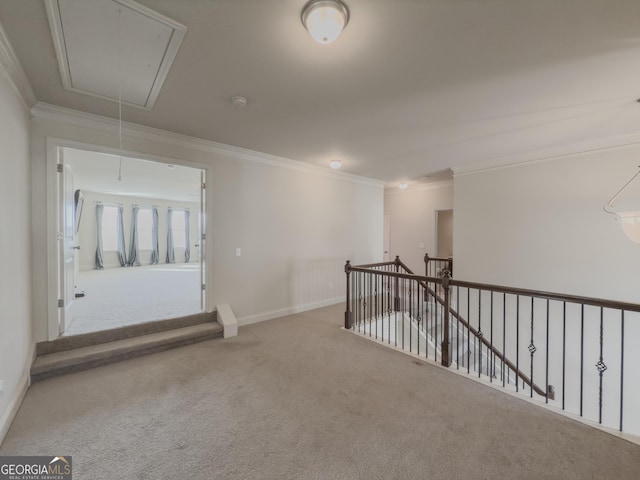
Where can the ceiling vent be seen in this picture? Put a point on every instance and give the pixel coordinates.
(117, 50)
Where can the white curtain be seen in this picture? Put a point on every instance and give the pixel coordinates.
(99, 259)
(155, 254)
(171, 255)
(187, 250)
(122, 256)
(134, 254)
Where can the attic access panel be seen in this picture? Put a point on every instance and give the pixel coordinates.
(113, 49)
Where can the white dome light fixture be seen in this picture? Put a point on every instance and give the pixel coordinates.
(403, 186)
(325, 19)
(335, 164)
(630, 221)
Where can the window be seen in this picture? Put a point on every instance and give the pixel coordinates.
(177, 228)
(144, 229)
(110, 229)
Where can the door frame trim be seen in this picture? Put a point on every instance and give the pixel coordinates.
(53, 146)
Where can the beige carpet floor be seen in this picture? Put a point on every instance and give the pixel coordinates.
(117, 297)
(298, 398)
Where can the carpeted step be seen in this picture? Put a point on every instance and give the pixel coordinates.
(68, 361)
(105, 336)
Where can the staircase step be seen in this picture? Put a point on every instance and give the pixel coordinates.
(68, 361)
(105, 336)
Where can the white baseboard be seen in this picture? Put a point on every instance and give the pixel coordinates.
(261, 317)
(14, 404)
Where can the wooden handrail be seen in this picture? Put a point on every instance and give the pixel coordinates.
(561, 297)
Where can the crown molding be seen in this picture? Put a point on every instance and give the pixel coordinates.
(551, 154)
(47, 112)
(11, 67)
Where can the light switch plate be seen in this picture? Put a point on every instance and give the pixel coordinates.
(238, 252)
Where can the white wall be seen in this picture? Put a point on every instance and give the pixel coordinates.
(412, 219)
(16, 344)
(87, 239)
(296, 225)
(542, 226)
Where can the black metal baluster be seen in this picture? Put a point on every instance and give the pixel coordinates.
(468, 330)
(532, 347)
(382, 279)
(403, 310)
(389, 304)
(491, 367)
(479, 333)
(370, 302)
(425, 315)
(375, 281)
(564, 349)
(363, 296)
(410, 293)
(546, 381)
(434, 323)
(357, 297)
(504, 335)
(581, 356)
(396, 307)
(601, 365)
(458, 332)
(381, 308)
(418, 319)
(517, 339)
(621, 365)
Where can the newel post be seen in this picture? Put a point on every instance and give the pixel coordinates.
(451, 266)
(446, 352)
(426, 264)
(348, 315)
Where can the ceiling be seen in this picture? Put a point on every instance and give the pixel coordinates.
(102, 173)
(411, 88)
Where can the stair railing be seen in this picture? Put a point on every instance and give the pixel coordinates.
(435, 266)
(514, 337)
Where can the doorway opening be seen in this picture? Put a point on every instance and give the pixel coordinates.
(444, 233)
(130, 241)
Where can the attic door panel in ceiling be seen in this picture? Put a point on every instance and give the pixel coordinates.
(114, 49)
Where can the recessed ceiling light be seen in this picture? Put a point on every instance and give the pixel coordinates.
(238, 101)
(171, 166)
(403, 186)
(335, 164)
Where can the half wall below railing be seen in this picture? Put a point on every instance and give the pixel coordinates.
(569, 351)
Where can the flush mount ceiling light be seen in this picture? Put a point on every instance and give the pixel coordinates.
(325, 19)
(630, 221)
(403, 186)
(335, 164)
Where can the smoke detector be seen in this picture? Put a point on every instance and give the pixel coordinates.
(238, 101)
